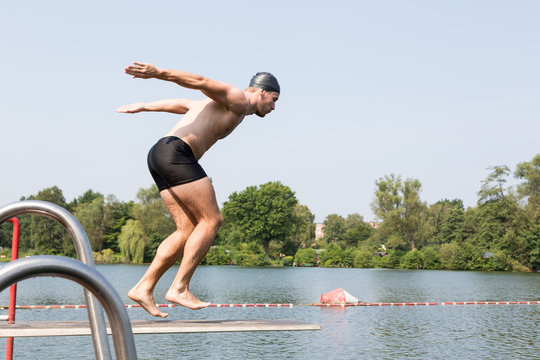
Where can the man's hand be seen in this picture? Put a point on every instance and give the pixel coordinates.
(142, 70)
(131, 108)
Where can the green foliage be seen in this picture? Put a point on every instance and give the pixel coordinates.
(262, 214)
(334, 228)
(357, 234)
(107, 256)
(532, 245)
(390, 261)
(45, 235)
(152, 214)
(529, 189)
(305, 257)
(466, 257)
(288, 260)
(132, 241)
(452, 227)
(398, 204)
(94, 217)
(432, 259)
(217, 255)
(364, 259)
(414, 259)
(121, 212)
(332, 256)
(266, 225)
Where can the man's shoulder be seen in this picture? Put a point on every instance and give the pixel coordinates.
(236, 101)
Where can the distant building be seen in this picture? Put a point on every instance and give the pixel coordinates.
(319, 231)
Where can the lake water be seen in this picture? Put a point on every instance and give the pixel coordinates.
(412, 332)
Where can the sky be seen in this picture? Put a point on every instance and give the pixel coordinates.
(432, 90)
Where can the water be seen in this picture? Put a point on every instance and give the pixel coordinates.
(422, 332)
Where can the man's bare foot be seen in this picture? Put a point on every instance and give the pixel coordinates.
(185, 298)
(146, 300)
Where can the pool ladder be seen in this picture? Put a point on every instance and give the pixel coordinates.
(96, 287)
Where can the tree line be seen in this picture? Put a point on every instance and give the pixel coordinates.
(266, 225)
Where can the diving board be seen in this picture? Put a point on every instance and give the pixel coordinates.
(74, 328)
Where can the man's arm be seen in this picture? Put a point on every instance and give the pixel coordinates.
(231, 97)
(176, 106)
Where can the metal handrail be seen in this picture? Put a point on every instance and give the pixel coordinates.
(84, 254)
(91, 279)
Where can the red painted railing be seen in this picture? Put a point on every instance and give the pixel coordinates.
(13, 288)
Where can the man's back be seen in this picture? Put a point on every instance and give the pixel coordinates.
(206, 122)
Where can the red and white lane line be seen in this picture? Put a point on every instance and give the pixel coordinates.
(365, 304)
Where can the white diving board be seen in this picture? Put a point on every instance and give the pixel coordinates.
(73, 328)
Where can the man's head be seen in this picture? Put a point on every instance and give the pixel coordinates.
(265, 81)
(269, 94)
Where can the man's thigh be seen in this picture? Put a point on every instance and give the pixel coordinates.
(199, 197)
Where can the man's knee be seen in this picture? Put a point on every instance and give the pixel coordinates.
(216, 221)
(219, 220)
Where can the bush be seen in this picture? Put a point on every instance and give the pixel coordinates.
(288, 261)
(466, 257)
(305, 257)
(412, 260)
(348, 257)
(447, 253)
(432, 259)
(245, 258)
(364, 259)
(390, 261)
(332, 256)
(217, 255)
(107, 256)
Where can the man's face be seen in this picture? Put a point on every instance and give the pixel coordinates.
(267, 103)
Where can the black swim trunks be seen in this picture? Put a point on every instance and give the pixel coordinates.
(171, 162)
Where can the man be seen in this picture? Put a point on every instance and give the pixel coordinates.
(184, 187)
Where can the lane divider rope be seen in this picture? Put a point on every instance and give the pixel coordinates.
(364, 304)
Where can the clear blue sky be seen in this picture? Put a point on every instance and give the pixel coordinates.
(433, 90)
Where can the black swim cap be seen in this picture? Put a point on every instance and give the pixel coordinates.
(265, 81)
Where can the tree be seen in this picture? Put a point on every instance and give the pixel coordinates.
(45, 235)
(353, 220)
(121, 212)
(262, 213)
(398, 204)
(452, 227)
(492, 187)
(498, 210)
(438, 214)
(95, 216)
(154, 219)
(529, 189)
(357, 234)
(303, 232)
(85, 198)
(132, 241)
(334, 228)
